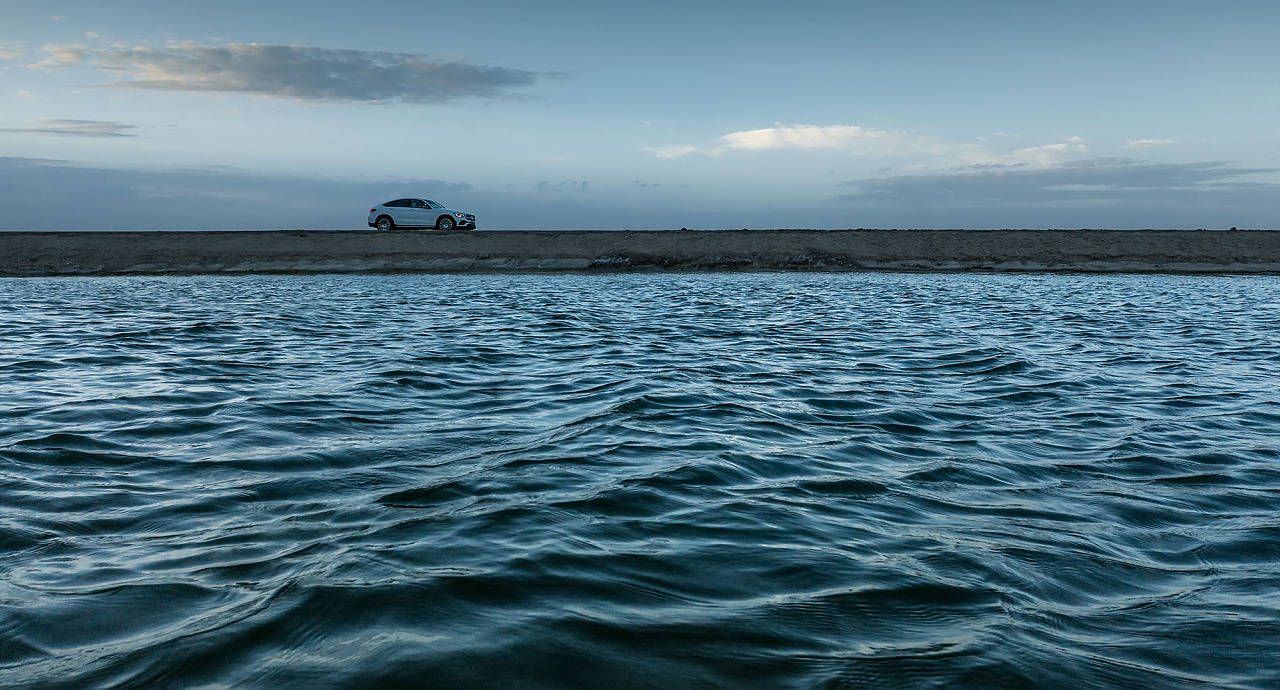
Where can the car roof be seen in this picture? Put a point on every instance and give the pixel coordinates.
(413, 198)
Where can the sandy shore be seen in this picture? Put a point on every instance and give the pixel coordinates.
(1103, 251)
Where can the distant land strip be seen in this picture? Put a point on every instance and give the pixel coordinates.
(368, 251)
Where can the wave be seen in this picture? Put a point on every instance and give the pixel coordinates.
(635, 480)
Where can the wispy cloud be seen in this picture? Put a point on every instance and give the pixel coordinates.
(780, 136)
(862, 141)
(674, 151)
(1045, 155)
(1148, 143)
(65, 55)
(1095, 181)
(568, 186)
(305, 73)
(75, 128)
(8, 52)
(802, 137)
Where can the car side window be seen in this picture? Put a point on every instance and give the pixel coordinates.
(432, 204)
(398, 203)
(417, 203)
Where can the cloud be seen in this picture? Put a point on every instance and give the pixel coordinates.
(24, 94)
(1094, 193)
(1101, 180)
(1048, 154)
(801, 137)
(1148, 143)
(1102, 192)
(61, 56)
(34, 194)
(75, 128)
(305, 73)
(805, 137)
(671, 152)
(861, 141)
(568, 186)
(11, 52)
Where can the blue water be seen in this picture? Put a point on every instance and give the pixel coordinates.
(716, 480)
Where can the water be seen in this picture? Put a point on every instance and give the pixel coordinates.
(795, 480)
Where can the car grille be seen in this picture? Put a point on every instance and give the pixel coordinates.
(469, 216)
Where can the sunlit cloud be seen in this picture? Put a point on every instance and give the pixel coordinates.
(8, 52)
(854, 140)
(66, 55)
(674, 151)
(1148, 143)
(1047, 154)
(304, 73)
(801, 137)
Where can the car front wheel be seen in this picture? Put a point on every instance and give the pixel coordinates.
(445, 224)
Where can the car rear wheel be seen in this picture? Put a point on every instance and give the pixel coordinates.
(384, 223)
(445, 224)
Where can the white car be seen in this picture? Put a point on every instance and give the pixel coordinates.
(419, 213)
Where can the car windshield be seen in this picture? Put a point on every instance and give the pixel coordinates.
(432, 204)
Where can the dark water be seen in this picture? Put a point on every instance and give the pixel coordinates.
(640, 481)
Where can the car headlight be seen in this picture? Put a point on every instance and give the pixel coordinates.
(458, 214)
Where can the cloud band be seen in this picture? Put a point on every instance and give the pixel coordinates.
(305, 73)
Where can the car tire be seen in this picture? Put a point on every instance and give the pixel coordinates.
(445, 224)
(384, 223)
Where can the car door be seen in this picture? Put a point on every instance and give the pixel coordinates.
(399, 211)
(421, 213)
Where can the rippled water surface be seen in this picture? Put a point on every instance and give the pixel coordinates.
(780, 480)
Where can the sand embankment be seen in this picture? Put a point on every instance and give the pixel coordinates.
(1104, 251)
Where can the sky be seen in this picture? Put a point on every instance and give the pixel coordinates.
(613, 115)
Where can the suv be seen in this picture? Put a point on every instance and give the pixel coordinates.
(419, 213)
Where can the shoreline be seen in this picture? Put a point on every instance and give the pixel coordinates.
(106, 253)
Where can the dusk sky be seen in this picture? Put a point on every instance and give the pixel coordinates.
(238, 114)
